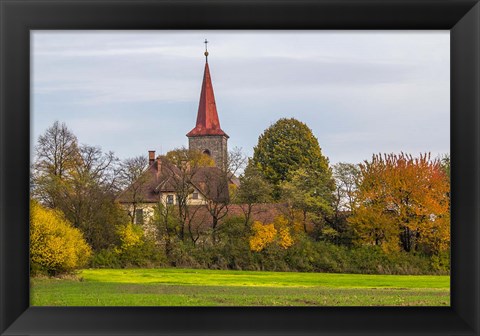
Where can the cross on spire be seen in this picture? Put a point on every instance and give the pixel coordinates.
(206, 51)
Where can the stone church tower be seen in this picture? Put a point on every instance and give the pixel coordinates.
(207, 136)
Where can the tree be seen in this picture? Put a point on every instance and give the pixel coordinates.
(285, 147)
(55, 245)
(278, 233)
(218, 189)
(346, 177)
(166, 220)
(186, 163)
(254, 189)
(132, 179)
(56, 155)
(445, 162)
(87, 197)
(310, 192)
(403, 203)
(81, 183)
(57, 150)
(263, 235)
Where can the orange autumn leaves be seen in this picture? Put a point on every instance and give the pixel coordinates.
(403, 203)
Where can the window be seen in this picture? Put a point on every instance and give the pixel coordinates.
(139, 216)
(169, 199)
(195, 195)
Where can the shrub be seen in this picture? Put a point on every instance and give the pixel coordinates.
(55, 245)
(136, 249)
(106, 258)
(441, 262)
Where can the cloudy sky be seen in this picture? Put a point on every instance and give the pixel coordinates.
(360, 92)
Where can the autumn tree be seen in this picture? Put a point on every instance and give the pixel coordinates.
(402, 203)
(285, 147)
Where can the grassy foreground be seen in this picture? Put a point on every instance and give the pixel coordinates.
(186, 287)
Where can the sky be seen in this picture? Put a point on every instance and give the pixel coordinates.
(361, 92)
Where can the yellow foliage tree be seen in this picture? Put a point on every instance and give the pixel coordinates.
(130, 237)
(284, 238)
(263, 235)
(135, 248)
(55, 245)
(277, 232)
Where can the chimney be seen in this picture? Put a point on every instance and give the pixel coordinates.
(159, 167)
(151, 157)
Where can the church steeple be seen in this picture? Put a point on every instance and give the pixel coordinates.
(207, 116)
(207, 135)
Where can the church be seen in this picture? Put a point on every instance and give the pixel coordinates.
(161, 180)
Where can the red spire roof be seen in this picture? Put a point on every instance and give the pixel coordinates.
(207, 117)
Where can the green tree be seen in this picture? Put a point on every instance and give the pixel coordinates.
(445, 162)
(285, 147)
(310, 192)
(254, 189)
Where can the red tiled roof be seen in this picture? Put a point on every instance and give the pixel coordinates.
(207, 117)
(157, 178)
(162, 176)
(264, 213)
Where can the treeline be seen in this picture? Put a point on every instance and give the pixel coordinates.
(389, 215)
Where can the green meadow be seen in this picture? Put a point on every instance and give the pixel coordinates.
(192, 287)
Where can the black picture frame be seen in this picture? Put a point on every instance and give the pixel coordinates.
(18, 17)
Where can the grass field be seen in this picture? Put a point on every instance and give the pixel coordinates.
(187, 287)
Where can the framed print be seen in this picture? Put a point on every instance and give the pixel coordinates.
(27, 31)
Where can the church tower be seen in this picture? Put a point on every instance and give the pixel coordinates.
(207, 136)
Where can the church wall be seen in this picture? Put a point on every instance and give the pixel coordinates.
(216, 144)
